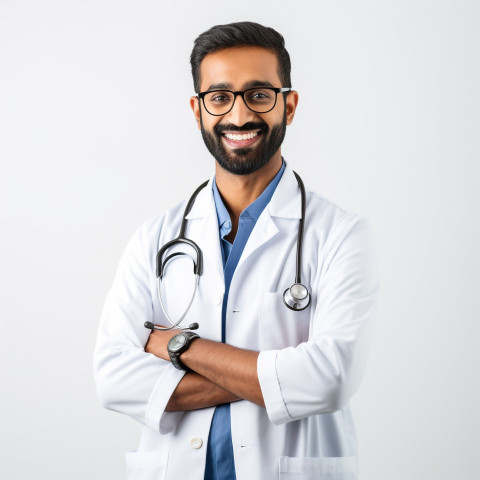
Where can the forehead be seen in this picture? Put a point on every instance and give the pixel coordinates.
(238, 67)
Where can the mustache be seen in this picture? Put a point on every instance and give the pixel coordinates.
(230, 127)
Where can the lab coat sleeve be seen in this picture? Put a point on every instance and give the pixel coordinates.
(322, 374)
(128, 379)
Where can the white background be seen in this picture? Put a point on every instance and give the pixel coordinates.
(96, 135)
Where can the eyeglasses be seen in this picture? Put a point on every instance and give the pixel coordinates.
(258, 100)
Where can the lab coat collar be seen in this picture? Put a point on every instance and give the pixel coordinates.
(205, 233)
(285, 202)
(204, 204)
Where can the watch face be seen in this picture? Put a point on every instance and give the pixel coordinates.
(176, 343)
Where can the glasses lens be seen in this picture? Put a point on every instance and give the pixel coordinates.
(218, 102)
(260, 100)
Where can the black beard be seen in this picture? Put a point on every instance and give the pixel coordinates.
(243, 161)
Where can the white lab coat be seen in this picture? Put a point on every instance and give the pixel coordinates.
(311, 362)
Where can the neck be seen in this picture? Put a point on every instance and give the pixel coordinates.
(239, 191)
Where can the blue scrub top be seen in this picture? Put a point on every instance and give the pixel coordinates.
(220, 463)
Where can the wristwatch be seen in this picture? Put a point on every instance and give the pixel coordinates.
(177, 345)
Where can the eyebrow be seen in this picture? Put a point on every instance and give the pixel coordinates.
(229, 86)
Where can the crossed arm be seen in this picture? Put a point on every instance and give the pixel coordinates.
(221, 373)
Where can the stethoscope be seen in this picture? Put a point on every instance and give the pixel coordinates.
(296, 297)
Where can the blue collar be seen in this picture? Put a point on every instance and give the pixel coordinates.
(253, 211)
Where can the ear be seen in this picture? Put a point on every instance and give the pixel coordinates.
(195, 106)
(291, 104)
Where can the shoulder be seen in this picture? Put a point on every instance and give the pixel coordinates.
(147, 236)
(328, 217)
(153, 225)
(335, 231)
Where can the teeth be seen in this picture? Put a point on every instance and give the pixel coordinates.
(245, 136)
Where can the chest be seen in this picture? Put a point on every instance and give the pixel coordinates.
(255, 314)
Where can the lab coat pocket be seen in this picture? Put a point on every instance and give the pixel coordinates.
(279, 326)
(146, 465)
(327, 468)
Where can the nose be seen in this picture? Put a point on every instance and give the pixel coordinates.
(240, 114)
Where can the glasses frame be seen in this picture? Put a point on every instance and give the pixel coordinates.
(277, 90)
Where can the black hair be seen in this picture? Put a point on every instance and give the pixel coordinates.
(236, 35)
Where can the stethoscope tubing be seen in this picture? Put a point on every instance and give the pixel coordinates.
(198, 266)
(179, 321)
(300, 230)
(292, 303)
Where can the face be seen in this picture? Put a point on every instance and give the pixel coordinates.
(243, 141)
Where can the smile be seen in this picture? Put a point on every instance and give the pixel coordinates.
(240, 139)
(245, 136)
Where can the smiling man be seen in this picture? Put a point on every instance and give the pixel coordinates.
(242, 148)
(283, 307)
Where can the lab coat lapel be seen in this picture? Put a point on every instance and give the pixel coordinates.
(264, 230)
(285, 203)
(203, 221)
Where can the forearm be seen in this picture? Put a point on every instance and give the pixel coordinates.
(233, 369)
(195, 391)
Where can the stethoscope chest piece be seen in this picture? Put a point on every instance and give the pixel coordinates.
(296, 297)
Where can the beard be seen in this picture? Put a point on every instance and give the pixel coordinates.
(243, 161)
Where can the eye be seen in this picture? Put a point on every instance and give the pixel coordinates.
(261, 95)
(219, 97)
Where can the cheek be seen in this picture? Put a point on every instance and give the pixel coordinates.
(275, 117)
(207, 121)
(211, 125)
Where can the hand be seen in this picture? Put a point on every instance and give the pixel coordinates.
(157, 342)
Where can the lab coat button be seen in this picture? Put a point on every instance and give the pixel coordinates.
(219, 299)
(196, 442)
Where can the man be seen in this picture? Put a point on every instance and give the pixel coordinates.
(263, 392)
